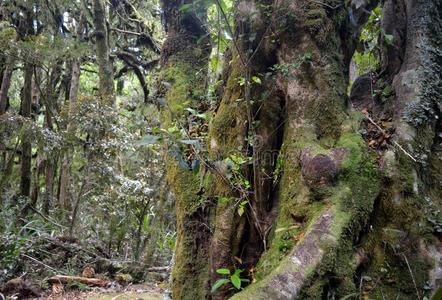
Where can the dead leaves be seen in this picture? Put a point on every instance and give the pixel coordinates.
(88, 272)
(377, 132)
(57, 288)
(238, 259)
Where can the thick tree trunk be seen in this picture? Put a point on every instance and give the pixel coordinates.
(184, 62)
(330, 191)
(331, 187)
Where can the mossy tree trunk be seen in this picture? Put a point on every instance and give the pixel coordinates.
(184, 61)
(73, 96)
(26, 105)
(323, 208)
(102, 44)
(6, 80)
(26, 145)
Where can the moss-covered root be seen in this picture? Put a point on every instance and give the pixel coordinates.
(291, 275)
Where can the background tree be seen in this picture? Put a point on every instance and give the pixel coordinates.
(92, 184)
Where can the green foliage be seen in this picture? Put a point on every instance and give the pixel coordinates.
(367, 54)
(234, 279)
(18, 239)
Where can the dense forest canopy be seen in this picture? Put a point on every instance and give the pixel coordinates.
(253, 149)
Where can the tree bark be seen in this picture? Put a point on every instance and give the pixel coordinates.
(184, 62)
(328, 192)
(6, 80)
(25, 181)
(73, 96)
(102, 43)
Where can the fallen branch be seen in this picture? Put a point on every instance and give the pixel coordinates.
(68, 279)
(39, 262)
(151, 269)
(412, 277)
(46, 218)
(70, 246)
(125, 31)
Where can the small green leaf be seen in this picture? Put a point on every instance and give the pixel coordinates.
(238, 271)
(236, 281)
(185, 7)
(223, 271)
(219, 283)
(147, 140)
(256, 79)
(172, 129)
(240, 211)
(389, 39)
(224, 200)
(146, 218)
(195, 143)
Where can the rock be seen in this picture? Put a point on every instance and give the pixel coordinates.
(20, 288)
(321, 169)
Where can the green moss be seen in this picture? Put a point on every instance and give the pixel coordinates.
(182, 75)
(229, 127)
(353, 198)
(355, 145)
(313, 292)
(316, 13)
(314, 23)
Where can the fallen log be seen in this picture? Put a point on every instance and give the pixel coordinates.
(68, 279)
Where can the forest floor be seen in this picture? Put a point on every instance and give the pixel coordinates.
(55, 268)
(110, 292)
(135, 292)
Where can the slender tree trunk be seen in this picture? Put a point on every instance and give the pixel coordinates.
(6, 80)
(76, 207)
(73, 96)
(7, 171)
(50, 99)
(25, 181)
(49, 185)
(105, 71)
(35, 105)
